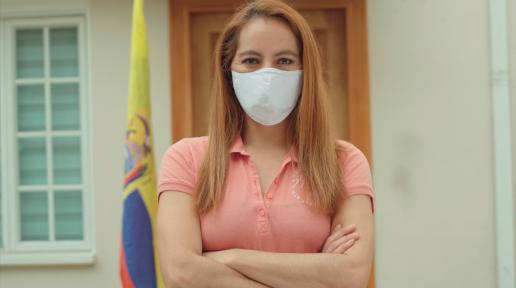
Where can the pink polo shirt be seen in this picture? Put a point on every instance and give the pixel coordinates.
(277, 221)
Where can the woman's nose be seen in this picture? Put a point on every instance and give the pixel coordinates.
(267, 64)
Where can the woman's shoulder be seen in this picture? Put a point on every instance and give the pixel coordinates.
(356, 170)
(347, 146)
(194, 142)
(179, 165)
(189, 146)
(349, 153)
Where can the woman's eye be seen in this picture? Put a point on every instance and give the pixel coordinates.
(250, 61)
(285, 61)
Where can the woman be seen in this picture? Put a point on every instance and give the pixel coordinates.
(270, 198)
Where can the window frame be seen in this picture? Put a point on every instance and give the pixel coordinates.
(13, 251)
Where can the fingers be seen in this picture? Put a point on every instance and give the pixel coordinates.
(344, 246)
(337, 233)
(345, 239)
(341, 232)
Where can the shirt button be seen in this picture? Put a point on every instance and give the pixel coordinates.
(262, 212)
(269, 195)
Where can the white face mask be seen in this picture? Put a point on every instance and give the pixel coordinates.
(267, 95)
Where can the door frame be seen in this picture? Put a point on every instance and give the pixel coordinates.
(357, 90)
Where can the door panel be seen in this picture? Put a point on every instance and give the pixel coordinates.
(329, 30)
(206, 28)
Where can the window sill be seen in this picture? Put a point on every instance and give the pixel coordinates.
(46, 258)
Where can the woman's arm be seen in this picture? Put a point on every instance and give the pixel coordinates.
(180, 248)
(278, 270)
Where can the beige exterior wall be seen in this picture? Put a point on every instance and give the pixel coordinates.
(109, 26)
(432, 143)
(431, 131)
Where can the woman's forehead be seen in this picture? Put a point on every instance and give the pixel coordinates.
(267, 35)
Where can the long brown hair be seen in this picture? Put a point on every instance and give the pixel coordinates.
(309, 128)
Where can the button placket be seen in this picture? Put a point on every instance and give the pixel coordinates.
(255, 176)
(272, 189)
(262, 226)
(251, 173)
(256, 181)
(262, 221)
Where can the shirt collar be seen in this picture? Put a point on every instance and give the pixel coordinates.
(238, 147)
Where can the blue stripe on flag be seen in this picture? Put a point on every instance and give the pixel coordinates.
(137, 241)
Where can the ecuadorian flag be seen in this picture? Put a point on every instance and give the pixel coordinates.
(138, 254)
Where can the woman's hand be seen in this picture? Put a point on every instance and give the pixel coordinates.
(341, 239)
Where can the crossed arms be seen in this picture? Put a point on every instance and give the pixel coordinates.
(343, 263)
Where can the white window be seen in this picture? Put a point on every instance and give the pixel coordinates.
(45, 192)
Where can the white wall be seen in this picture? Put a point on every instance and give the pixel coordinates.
(432, 143)
(109, 27)
(512, 81)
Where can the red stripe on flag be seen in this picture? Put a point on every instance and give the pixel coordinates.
(124, 274)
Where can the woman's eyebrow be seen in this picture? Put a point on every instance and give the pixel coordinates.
(285, 52)
(249, 52)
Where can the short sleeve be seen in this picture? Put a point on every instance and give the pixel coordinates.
(176, 171)
(356, 172)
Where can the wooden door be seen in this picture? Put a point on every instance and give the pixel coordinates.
(340, 30)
